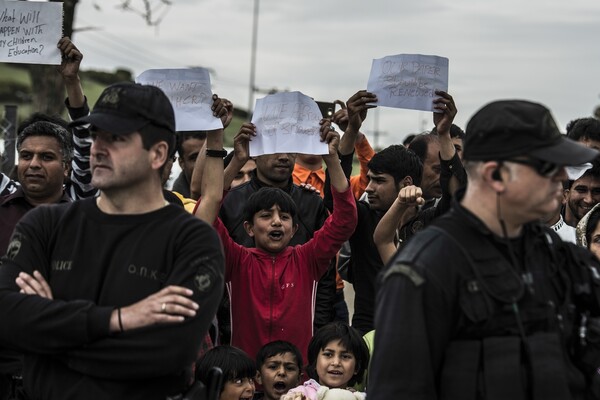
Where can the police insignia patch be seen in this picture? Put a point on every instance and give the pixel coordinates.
(14, 246)
(205, 277)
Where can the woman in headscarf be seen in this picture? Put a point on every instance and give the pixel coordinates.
(588, 231)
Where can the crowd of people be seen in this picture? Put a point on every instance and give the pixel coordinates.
(474, 256)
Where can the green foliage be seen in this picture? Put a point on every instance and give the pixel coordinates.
(107, 78)
(15, 88)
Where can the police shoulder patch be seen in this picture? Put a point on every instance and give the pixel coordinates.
(406, 270)
(14, 246)
(206, 275)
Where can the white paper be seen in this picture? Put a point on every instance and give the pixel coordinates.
(408, 80)
(287, 123)
(30, 31)
(190, 94)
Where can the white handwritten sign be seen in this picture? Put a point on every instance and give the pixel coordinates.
(408, 80)
(190, 94)
(287, 123)
(29, 32)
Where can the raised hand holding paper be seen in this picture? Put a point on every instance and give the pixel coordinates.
(287, 123)
(190, 94)
(408, 80)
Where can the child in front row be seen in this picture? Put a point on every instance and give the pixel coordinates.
(272, 287)
(337, 358)
(238, 371)
(279, 365)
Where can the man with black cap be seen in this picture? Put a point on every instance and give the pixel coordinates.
(487, 303)
(110, 297)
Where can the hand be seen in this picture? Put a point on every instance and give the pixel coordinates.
(169, 305)
(443, 119)
(340, 117)
(223, 109)
(71, 59)
(330, 136)
(411, 196)
(34, 285)
(309, 188)
(357, 108)
(241, 141)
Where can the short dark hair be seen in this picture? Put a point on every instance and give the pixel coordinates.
(275, 348)
(420, 144)
(408, 139)
(267, 197)
(399, 162)
(182, 136)
(584, 128)
(234, 363)
(349, 337)
(36, 117)
(50, 129)
(455, 131)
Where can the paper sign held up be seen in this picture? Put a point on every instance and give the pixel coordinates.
(29, 32)
(408, 80)
(190, 93)
(287, 123)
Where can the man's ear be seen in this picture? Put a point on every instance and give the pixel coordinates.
(406, 181)
(566, 195)
(159, 154)
(493, 176)
(67, 169)
(249, 228)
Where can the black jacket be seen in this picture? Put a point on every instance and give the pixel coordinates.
(462, 313)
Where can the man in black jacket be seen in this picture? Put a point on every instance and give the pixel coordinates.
(110, 297)
(487, 302)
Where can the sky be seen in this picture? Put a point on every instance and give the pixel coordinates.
(540, 50)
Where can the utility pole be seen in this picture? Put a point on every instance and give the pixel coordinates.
(253, 60)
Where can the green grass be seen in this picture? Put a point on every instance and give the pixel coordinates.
(9, 73)
(92, 89)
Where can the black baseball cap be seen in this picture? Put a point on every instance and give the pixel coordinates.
(127, 107)
(508, 128)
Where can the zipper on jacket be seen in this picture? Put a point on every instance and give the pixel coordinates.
(271, 299)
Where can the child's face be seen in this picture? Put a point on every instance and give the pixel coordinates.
(238, 389)
(335, 365)
(271, 229)
(278, 374)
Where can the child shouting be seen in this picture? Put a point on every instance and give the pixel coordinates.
(272, 286)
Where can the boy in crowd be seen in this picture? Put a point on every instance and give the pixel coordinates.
(272, 286)
(279, 365)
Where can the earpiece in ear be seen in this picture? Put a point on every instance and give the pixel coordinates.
(496, 175)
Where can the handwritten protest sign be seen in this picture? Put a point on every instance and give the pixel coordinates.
(29, 32)
(190, 94)
(408, 80)
(287, 123)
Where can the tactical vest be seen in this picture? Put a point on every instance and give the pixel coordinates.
(515, 334)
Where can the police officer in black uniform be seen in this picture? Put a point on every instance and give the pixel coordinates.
(487, 303)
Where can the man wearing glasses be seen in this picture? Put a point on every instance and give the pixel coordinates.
(488, 303)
